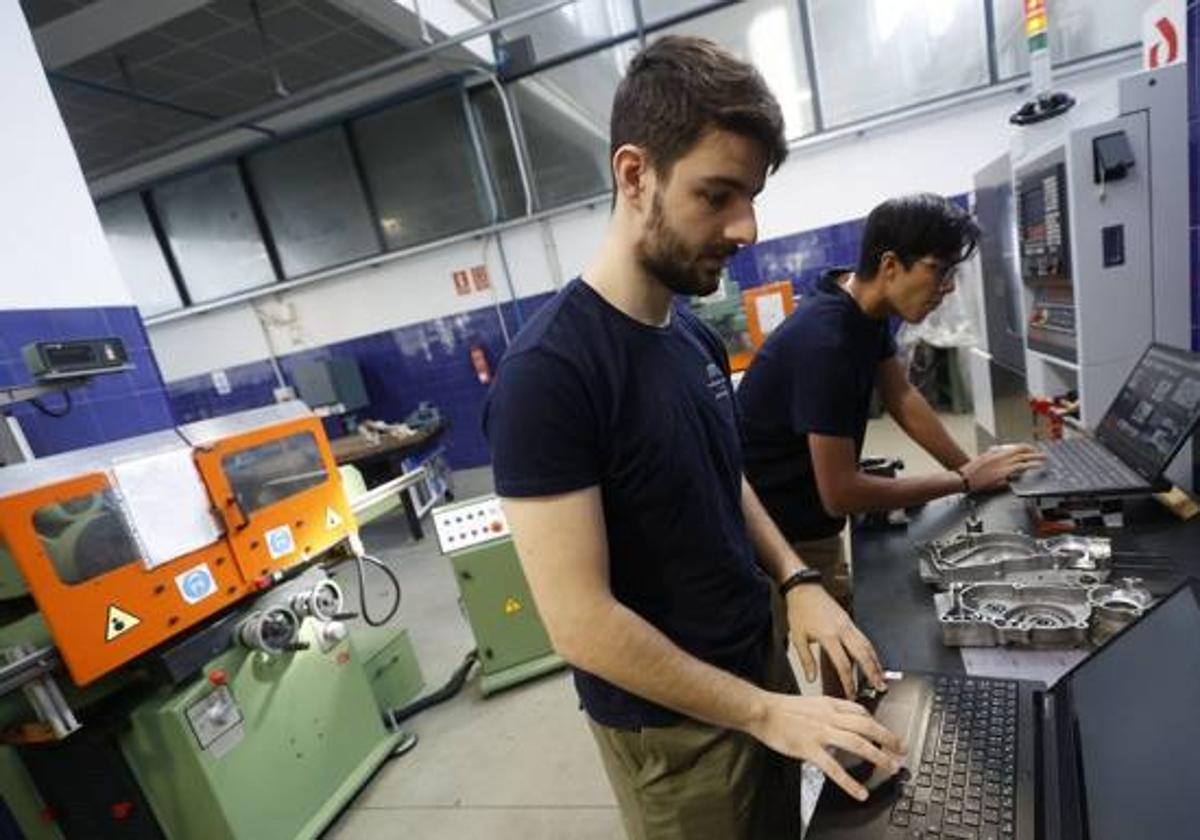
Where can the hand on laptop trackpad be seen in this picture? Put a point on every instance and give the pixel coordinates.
(903, 709)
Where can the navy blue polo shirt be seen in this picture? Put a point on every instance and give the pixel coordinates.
(587, 396)
(814, 374)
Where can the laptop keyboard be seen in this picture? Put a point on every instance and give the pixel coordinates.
(965, 784)
(1081, 463)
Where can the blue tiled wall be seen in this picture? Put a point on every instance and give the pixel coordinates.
(803, 257)
(112, 406)
(1193, 47)
(429, 361)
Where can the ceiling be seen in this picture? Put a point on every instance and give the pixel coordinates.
(172, 67)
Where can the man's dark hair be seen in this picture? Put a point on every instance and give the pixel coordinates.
(678, 88)
(917, 226)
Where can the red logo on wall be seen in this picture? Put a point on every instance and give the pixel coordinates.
(1169, 43)
(479, 276)
(462, 282)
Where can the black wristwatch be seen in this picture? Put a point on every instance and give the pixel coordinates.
(797, 578)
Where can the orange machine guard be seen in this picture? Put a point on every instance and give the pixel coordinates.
(293, 529)
(110, 616)
(103, 622)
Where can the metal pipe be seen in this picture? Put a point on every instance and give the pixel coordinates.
(328, 88)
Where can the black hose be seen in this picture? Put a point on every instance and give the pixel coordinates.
(452, 687)
(362, 589)
(49, 412)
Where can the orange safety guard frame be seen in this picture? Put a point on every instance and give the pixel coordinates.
(78, 614)
(783, 289)
(306, 514)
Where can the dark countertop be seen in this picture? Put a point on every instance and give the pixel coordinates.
(895, 608)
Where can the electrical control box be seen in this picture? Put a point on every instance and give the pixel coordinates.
(470, 523)
(50, 360)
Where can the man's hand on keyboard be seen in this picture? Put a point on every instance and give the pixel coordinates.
(995, 468)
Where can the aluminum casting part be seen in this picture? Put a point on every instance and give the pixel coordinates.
(993, 614)
(1014, 556)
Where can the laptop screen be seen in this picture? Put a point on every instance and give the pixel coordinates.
(1156, 410)
(1137, 709)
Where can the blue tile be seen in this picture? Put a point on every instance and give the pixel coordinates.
(78, 323)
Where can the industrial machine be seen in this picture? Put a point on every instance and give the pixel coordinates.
(1093, 221)
(511, 639)
(175, 660)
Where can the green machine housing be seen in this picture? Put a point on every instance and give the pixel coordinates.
(246, 746)
(512, 641)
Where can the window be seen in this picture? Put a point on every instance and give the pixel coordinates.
(563, 30)
(1078, 29)
(875, 56)
(271, 472)
(213, 233)
(85, 537)
(499, 152)
(564, 115)
(654, 11)
(313, 202)
(767, 34)
(421, 171)
(138, 255)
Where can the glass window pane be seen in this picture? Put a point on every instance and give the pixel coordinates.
(767, 34)
(1078, 29)
(263, 475)
(420, 168)
(313, 202)
(213, 233)
(85, 537)
(560, 31)
(874, 56)
(564, 115)
(138, 255)
(657, 10)
(499, 151)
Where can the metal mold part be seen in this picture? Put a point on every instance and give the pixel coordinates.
(965, 558)
(1037, 615)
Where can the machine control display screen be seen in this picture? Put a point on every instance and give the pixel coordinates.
(1045, 251)
(1156, 409)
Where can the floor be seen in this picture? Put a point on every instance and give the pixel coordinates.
(520, 764)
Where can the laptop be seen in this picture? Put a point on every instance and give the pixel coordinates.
(1107, 753)
(1155, 412)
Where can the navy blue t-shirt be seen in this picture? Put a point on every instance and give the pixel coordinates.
(587, 396)
(814, 374)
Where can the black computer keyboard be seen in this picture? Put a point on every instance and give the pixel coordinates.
(965, 785)
(1081, 463)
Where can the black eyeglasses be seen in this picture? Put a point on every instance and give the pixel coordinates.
(945, 273)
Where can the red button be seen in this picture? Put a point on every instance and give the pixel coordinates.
(218, 677)
(497, 526)
(122, 810)
(263, 582)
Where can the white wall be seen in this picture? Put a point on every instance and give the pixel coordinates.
(54, 250)
(818, 186)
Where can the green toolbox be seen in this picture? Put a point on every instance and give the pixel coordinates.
(511, 639)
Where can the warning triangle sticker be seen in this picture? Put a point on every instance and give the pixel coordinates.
(119, 622)
(512, 605)
(332, 520)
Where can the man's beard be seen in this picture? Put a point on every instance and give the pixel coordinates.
(675, 264)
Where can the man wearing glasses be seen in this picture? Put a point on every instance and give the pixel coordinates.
(806, 398)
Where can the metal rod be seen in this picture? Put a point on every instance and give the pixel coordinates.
(25, 666)
(328, 88)
(388, 488)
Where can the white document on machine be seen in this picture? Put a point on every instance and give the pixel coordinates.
(165, 504)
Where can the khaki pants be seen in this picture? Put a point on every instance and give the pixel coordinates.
(694, 781)
(830, 556)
